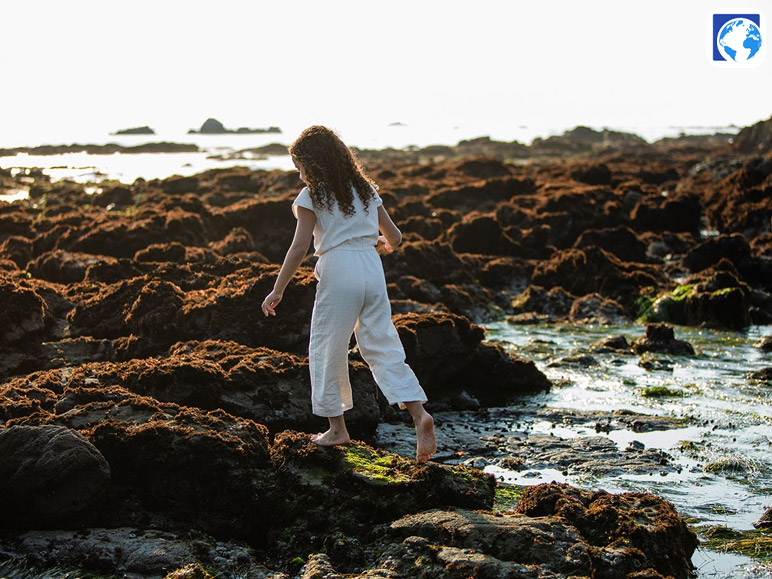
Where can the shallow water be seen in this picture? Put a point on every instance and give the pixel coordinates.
(723, 452)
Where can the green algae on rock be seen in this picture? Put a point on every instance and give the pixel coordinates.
(755, 543)
(715, 297)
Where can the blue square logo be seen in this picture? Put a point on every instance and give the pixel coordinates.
(737, 38)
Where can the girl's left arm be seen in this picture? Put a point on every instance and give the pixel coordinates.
(304, 229)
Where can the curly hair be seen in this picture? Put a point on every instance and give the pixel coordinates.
(331, 170)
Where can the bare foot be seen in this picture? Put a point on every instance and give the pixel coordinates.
(331, 438)
(426, 445)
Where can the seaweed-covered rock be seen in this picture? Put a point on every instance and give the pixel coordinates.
(23, 312)
(593, 270)
(448, 355)
(555, 303)
(642, 530)
(621, 241)
(270, 387)
(683, 213)
(376, 487)
(481, 234)
(733, 247)
(64, 266)
(173, 466)
(48, 476)
(503, 545)
(714, 297)
(595, 309)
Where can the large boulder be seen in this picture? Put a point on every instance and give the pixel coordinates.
(629, 532)
(714, 297)
(48, 476)
(375, 486)
(173, 466)
(449, 356)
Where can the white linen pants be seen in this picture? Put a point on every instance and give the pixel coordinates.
(351, 297)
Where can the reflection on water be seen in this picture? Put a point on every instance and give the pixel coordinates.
(725, 474)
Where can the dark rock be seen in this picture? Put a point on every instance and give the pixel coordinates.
(238, 240)
(18, 249)
(763, 375)
(598, 174)
(593, 270)
(48, 476)
(114, 197)
(620, 241)
(555, 303)
(128, 551)
(269, 387)
(595, 309)
(448, 355)
(216, 478)
(733, 247)
(480, 544)
(660, 338)
(376, 486)
(478, 233)
(615, 344)
(177, 184)
(23, 312)
(174, 251)
(764, 344)
(577, 360)
(212, 126)
(596, 455)
(65, 266)
(765, 521)
(144, 130)
(482, 195)
(665, 214)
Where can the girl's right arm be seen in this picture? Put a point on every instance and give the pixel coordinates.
(391, 235)
(295, 254)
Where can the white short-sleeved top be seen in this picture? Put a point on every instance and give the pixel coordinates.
(334, 228)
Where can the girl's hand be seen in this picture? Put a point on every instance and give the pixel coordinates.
(381, 238)
(270, 302)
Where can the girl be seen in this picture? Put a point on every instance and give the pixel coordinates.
(342, 209)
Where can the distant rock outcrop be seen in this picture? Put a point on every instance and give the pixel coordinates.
(214, 127)
(135, 131)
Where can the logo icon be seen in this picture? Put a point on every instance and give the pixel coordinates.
(737, 39)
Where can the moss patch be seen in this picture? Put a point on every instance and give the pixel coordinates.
(660, 392)
(377, 468)
(506, 497)
(752, 543)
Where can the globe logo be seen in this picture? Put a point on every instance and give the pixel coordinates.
(738, 40)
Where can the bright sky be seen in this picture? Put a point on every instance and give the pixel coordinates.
(170, 63)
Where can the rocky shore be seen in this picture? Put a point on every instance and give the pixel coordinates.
(152, 420)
